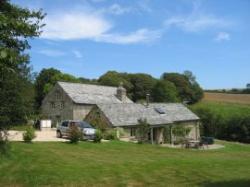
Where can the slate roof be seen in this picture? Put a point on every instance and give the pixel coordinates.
(91, 94)
(128, 114)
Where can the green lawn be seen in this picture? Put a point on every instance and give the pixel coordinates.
(123, 164)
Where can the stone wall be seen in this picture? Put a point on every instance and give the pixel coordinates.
(57, 106)
(96, 118)
(80, 111)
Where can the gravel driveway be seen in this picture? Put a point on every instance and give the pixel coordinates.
(46, 135)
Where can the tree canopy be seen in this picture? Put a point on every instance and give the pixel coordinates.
(17, 25)
(187, 87)
(47, 78)
(164, 91)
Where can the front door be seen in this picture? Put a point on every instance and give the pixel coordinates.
(156, 135)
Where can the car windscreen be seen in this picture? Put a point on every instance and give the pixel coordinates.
(85, 125)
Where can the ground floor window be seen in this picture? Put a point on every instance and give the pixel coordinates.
(132, 131)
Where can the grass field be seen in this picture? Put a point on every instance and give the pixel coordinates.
(226, 110)
(230, 98)
(123, 164)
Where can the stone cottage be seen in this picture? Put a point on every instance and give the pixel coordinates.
(109, 107)
(158, 116)
(74, 100)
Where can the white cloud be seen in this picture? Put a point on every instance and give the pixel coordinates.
(92, 26)
(117, 9)
(222, 36)
(77, 53)
(197, 20)
(75, 25)
(139, 36)
(195, 23)
(52, 52)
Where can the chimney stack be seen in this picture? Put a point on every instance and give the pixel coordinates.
(121, 93)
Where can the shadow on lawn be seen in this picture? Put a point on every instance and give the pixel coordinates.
(233, 183)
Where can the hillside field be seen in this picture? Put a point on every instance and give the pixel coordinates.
(229, 98)
(124, 164)
(225, 109)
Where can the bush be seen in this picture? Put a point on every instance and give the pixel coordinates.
(74, 134)
(143, 130)
(98, 136)
(4, 143)
(29, 134)
(111, 135)
(224, 121)
(181, 131)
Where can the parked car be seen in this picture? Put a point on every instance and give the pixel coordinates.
(87, 130)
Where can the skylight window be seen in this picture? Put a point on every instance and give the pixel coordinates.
(160, 110)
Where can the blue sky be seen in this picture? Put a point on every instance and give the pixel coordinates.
(86, 38)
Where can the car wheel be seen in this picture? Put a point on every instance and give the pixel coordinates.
(58, 134)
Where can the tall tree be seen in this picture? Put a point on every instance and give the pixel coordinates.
(17, 25)
(113, 78)
(164, 91)
(142, 85)
(43, 78)
(188, 89)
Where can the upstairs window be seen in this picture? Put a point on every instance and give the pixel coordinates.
(58, 95)
(52, 105)
(62, 105)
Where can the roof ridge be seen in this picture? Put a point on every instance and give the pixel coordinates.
(86, 84)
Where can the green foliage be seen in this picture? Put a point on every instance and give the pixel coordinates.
(137, 85)
(142, 85)
(4, 143)
(187, 87)
(142, 131)
(164, 91)
(46, 80)
(110, 134)
(113, 78)
(167, 134)
(29, 134)
(224, 121)
(180, 130)
(98, 136)
(180, 133)
(16, 28)
(75, 134)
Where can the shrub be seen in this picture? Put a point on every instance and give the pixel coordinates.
(4, 143)
(111, 134)
(29, 134)
(181, 131)
(74, 134)
(98, 136)
(224, 121)
(143, 130)
(121, 132)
